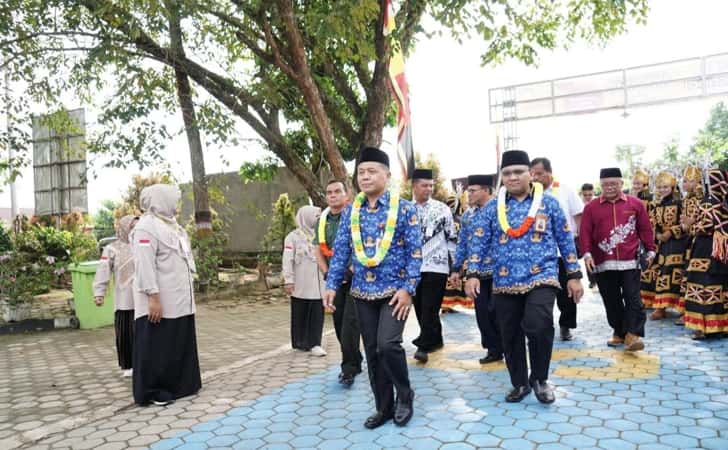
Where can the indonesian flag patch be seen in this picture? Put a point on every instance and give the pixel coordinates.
(144, 243)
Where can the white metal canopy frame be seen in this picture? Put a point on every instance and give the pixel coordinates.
(639, 86)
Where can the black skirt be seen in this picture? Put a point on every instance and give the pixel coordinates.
(124, 327)
(166, 366)
(307, 323)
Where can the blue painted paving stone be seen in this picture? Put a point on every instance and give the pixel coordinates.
(685, 406)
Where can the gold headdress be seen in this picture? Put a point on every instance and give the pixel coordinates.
(641, 176)
(692, 173)
(665, 177)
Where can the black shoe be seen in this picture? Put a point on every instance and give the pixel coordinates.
(517, 394)
(377, 419)
(591, 285)
(566, 334)
(490, 358)
(346, 379)
(421, 356)
(544, 391)
(403, 409)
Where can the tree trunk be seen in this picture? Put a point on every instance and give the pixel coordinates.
(378, 92)
(309, 89)
(203, 216)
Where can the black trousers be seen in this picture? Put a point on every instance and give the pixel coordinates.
(347, 331)
(490, 337)
(124, 328)
(386, 359)
(620, 291)
(567, 307)
(531, 316)
(427, 302)
(307, 323)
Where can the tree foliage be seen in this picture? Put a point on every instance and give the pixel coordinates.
(709, 148)
(631, 157)
(282, 222)
(712, 139)
(104, 219)
(308, 77)
(130, 199)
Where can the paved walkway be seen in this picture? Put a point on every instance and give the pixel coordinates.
(674, 395)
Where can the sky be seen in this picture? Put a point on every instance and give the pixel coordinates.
(449, 102)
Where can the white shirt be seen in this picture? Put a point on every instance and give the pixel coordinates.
(570, 203)
(439, 237)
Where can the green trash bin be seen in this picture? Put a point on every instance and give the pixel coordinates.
(89, 315)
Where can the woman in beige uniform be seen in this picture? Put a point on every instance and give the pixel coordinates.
(116, 260)
(304, 283)
(166, 366)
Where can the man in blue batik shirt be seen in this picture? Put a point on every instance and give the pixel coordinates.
(382, 290)
(525, 251)
(480, 190)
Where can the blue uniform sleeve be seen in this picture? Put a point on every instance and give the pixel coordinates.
(481, 238)
(342, 252)
(462, 248)
(413, 246)
(564, 239)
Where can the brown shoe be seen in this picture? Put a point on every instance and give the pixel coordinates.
(615, 341)
(633, 343)
(658, 314)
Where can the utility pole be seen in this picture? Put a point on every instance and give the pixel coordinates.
(11, 154)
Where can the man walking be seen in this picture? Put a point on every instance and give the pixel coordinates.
(381, 234)
(345, 322)
(438, 249)
(572, 206)
(523, 233)
(480, 190)
(612, 228)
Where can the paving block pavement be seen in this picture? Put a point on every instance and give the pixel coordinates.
(673, 395)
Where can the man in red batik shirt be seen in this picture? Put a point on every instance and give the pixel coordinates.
(612, 227)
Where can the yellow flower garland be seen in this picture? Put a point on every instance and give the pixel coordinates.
(530, 219)
(323, 245)
(389, 228)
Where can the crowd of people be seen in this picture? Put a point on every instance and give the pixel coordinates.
(512, 254)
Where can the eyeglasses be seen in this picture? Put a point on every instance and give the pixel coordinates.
(474, 190)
